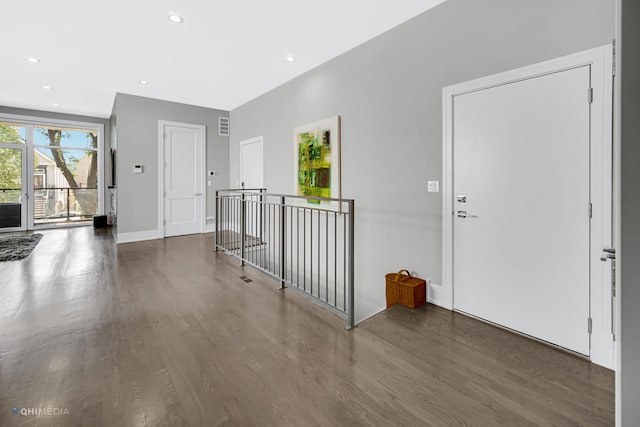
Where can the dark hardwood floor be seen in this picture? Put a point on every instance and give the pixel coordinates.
(165, 333)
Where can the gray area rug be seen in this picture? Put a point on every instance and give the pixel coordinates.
(17, 247)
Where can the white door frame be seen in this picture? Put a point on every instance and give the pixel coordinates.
(600, 59)
(247, 142)
(30, 122)
(203, 159)
(24, 190)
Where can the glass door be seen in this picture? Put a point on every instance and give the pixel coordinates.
(13, 177)
(50, 173)
(65, 175)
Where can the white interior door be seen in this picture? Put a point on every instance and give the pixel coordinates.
(251, 177)
(183, 195)
(521, 225)
(251, 174)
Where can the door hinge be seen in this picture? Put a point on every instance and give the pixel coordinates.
(613, 58)
(590, 210)
(590, 95)
(613, 278)
(589, 325)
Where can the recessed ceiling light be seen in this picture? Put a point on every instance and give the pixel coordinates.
(47, 87)
(290, 58)
(143, 82)
(33, 59)
(175, 19)
(56, 105)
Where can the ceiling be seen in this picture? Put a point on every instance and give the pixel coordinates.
(222, 55)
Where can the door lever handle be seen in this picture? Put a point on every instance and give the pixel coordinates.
(464, 214)
(608, 254)
(198, 194)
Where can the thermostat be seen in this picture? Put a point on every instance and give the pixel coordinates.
(137, 168)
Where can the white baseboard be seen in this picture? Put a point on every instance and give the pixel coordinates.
(137, 236)
(435, 297)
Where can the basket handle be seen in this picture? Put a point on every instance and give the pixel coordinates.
(399, 273)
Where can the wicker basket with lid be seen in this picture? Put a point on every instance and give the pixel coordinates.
(403, 288)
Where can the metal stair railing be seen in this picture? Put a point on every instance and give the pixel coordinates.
(307, 243)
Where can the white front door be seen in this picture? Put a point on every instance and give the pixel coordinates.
(183, 193)
(521, 206)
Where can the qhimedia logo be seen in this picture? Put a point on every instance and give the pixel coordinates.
(40, 411)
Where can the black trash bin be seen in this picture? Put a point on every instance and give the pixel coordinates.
(99, 221)
(10, 214)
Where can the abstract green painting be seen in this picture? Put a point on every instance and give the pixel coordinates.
(317, 160)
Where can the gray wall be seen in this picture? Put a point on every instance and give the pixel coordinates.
(137, 143)
(630, 217)
(58, 116)
(389, 94)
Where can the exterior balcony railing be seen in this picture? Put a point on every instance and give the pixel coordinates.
(64, 204)
(50, 205)
(10, 207)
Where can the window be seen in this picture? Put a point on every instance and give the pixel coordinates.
(64, 168)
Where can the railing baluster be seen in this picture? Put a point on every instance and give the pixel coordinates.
(326, 257)
(227, 205)
(68, 207)
(256, 231)
(273, 233)
(243, 225)
(291, 244)
(271, 239)
(311, 248)
(335, 258)
(319, 262)
(276, 234)
(264, 241)
(283, 249)
(298, 247)
(304, 248)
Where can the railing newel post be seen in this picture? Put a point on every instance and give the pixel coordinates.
(243, 230)
(351, 289)
(68, 207)
(217, 222)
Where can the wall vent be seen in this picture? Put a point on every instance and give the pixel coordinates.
(223, 126)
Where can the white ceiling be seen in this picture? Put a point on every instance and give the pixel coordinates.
(224, 54)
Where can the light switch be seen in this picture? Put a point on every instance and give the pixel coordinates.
(209, 183)
(433, 186)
